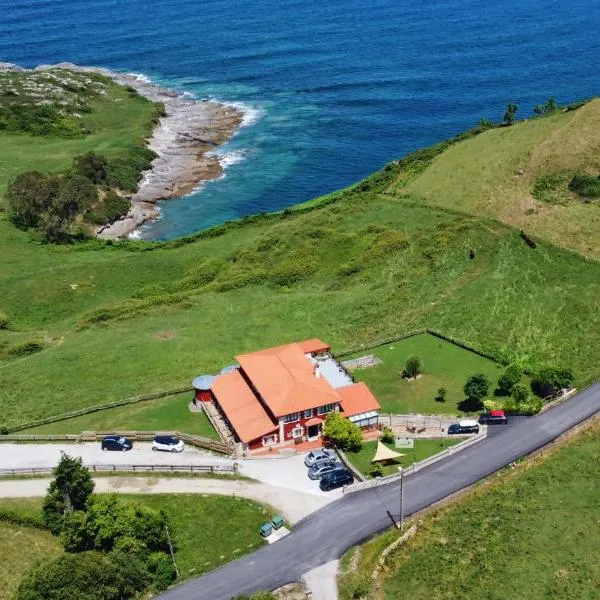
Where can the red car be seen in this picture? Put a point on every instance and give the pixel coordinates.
(494, 417)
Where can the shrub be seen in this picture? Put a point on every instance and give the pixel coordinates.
(509, 379)
(25, 349)
(293, 270)
(551, 380)
(520, 394)
(376, 470)
(441, 395)
(162, 570)
(551, 188)
(93, 166)
(387, 436)
(4, 321)
(586, 186)
(412, 367)
(30, 195)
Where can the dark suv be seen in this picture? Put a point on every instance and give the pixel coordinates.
(336, 479)
(116, 442)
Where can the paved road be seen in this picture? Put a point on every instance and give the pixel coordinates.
(327, 533)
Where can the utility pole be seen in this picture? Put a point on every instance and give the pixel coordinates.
(401, 521)
(171, 551)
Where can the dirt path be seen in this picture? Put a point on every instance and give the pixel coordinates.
(293, 505)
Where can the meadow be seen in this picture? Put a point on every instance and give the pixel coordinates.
(444, 365)
(531, 533)
(360, 265)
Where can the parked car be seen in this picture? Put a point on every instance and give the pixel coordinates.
(318, 455)
(335, 479)
(465, 426)
(168, 443)
(116, 442)
(317, 471)
(493, 417)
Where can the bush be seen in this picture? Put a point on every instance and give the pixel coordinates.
(476, 387)
(85, 576)
(520, 394)
(551, 380)
(162, 570)
(93, 166)
(441, 395)
(111, 207)
(413, 366)
(25, 349)
(342, 432)
(388, 436)
(29, 196)
(4, 321)
(510, 378)
(586, 186)
(376, 470)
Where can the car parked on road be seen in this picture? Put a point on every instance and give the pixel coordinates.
(317, 471)
(116, 442)
(494, 417)
(465, 426)
(335, 479)
(320, 455)
(167, 443)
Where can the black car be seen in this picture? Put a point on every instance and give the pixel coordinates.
(336, 479)
(463, 427)
(116, 442)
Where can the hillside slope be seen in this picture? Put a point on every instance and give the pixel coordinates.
(493, 174)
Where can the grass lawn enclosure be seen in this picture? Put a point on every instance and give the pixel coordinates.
(424, 448)
(444, 365)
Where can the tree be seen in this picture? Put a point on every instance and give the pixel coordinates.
(547, 108)
(29, 195)
(413, 366)
(551, 380)
(509, 379)
(86, 576)
(509, 115)
(69, 491)
(342, 432)
(520, 394)
(92, 166)
(441, 395)
(477, 387)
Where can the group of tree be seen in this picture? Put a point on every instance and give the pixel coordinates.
(342, 432)
(62, 206)
(115, 550)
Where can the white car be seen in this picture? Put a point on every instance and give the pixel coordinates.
(167, 443)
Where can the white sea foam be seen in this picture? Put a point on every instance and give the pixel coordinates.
(250, 114)
(226, 159)
(140, 77)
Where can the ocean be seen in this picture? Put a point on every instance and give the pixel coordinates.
(332, 90)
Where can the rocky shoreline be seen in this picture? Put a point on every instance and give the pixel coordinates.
(184, 141)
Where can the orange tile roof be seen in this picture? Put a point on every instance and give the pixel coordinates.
(314, 346)
(285, 379)
(243, 410)
(356, 399)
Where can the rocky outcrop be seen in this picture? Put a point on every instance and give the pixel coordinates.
(184, 141)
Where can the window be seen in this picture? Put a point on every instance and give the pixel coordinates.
(297, 432)
(291, 417)
(327, 408)
(269, 439)
(308, 413)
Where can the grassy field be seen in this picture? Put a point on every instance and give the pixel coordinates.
(207, 532)
(362, 265)
(117, 121)
(493, 174)
(444, 365)
(163, 414)
(423, 449)
(532, 534)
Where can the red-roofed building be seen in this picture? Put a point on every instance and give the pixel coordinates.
(282, 395)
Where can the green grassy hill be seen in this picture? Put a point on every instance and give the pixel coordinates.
(356, 266)
(494, 174)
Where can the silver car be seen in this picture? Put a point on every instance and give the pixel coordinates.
(317, 471)
(316, 456)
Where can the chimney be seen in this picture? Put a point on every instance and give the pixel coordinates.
(317, 372)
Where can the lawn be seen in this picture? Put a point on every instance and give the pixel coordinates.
(533, 533)
(207, 531)
(163, 414)
(444, 365)
(422, 450)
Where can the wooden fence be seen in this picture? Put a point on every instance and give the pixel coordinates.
(96, 436)
(129, 469)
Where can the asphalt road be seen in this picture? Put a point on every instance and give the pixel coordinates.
(328, 533)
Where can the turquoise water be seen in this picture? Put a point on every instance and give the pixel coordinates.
(333, 90)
